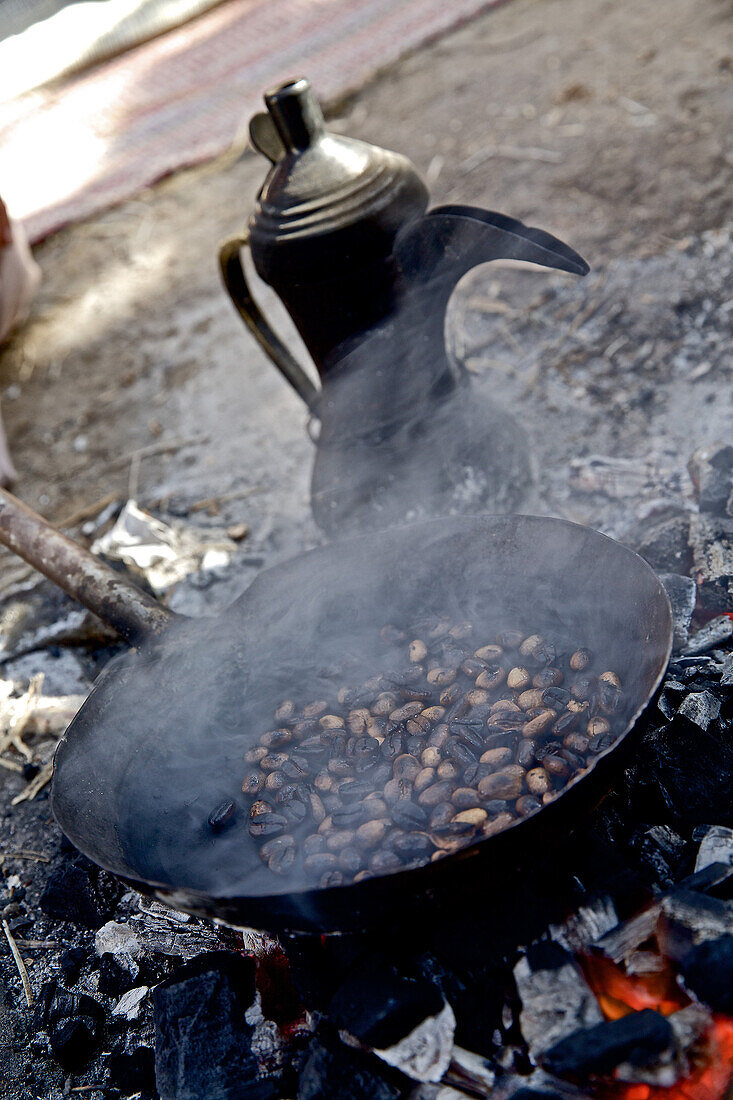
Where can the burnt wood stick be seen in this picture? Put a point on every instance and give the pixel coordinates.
(116, 600)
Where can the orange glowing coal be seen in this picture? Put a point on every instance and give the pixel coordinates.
(618, 994)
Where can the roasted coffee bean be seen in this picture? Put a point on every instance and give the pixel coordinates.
(406, 767)
(337, 839)
(490, 653)
(555, 697)
(473, 772)
(408, 815)
(565, 723)
(312, 745)
(375, 806)
(275, 739)
(538, 781)
(447, 770)
(385, 704)
(371, 833)
(274, 782)
(547, 677)
(518, 679)
(582, 689)
(418, 651)
(465, 798)
(598, 726)
(576, 742)
(555, 765)
(319, 862)
(424, 779)
(273, 761)
(286, 711)
(268, 825)
(580, 660)
(397, 789)
(531, 643)
(430, 758)
(408, 710)
(497, 758)
(506, 783)
(385, 861)
(411, 845)
(494, 806)
(279, 854)
(222, 816)
(527, 804)
(573, 759)
(441, 814)
(296, 767)
(350, 860)
(393, 745)
(472, 667)
(509, 639)
(414, 746)
(314, 844)
(601, 742)
(339, 768)
(440, 791)
(350, 817)
(491, 678)
(253, 783)
(497, 824)
(473, 736)
(294, 803)
(530, 698)
(379, 774)
(462, 754)
(609, 695)
(441, 677)
(419, 726)
(471, 816)
(253, 756)
(314, 709)
(451, 695)
(324, 782)
(537, 726)
(331, 878)
(526, 752)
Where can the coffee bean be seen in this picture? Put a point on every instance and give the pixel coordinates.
(371, 833)
(440, 791)
(506, 783)
(538, 781)
(408, 815)
(222, 816)
(406, 767)
(465, 798)
(279, 854)
(424, 779)
(580, 660)
(472, 816)
(268, 825)
(518, 679)
(527, 804)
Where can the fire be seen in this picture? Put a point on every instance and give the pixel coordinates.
(618, 994)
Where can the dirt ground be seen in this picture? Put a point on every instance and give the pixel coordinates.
(607, 123)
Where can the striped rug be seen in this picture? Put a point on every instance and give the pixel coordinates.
(69, 150)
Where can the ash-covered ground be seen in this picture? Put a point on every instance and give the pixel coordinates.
(134, 378)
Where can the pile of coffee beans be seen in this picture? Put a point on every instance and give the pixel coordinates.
(464, 737)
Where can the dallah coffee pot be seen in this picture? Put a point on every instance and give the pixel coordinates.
(340, 232)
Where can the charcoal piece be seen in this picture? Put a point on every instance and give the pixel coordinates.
(700, 707)
(556, 999)
(637, 1039)
(711, 538)
(682, 594)
(713, 633)
(132, 1072)
(202, 1040)
(690, 918)
(335, 1070)
(711, 470)
(664, 543)
(684, 776)
(670, 697)
(716, 846)
(708, 973)
(79, 892)
(379, 1006)
(113, 980)
(71, 963)
(661, 849)
(73, 1022)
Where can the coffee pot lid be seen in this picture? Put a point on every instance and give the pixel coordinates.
(325, 186)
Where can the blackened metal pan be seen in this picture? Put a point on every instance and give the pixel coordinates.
(161, 737)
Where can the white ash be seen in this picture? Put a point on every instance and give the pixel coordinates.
(716, 847)
(587, 925)
(131, 1003)
(425, 1053)
(555, 1003)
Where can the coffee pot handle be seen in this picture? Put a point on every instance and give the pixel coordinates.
(235, 280)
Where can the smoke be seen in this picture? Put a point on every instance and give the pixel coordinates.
(161, 741)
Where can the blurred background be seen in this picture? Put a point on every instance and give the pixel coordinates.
(123, 154)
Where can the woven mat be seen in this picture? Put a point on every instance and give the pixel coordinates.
(67, 152)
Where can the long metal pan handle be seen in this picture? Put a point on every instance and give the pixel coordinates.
(116, 600)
